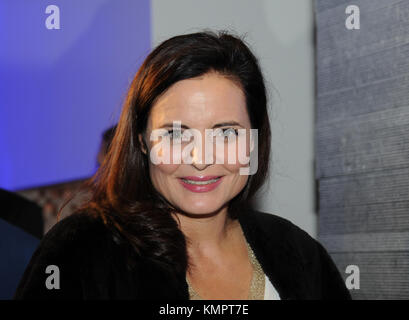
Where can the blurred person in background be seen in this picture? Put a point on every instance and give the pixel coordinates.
(22, 213)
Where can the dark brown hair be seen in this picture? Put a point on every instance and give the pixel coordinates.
(122, 191)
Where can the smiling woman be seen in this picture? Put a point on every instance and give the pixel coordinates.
(201, 103)
(184, 229)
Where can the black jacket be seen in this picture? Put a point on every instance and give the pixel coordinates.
(93, 264)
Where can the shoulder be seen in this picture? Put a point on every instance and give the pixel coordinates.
(77, 246)
(94, 262)
(81, 226)
(274, 226)
(74, 234)
(293, 246)
(85, 238)
(278, 232)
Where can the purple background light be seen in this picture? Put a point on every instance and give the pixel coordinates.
(59, 89)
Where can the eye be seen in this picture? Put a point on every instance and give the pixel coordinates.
(225, 134)
(229, 132)
(174, 134)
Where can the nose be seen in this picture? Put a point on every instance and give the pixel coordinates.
(198, 159)
(200, 167)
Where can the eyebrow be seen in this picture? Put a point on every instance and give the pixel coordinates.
(218, 125)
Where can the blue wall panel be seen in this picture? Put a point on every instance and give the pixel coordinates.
(59, 89)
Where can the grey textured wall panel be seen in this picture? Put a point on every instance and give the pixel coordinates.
(369, 188)
(352, 102)
(362, 142)
(384, 276)
(369, 142)
(367, 242)
(377, 217)
(378, 20)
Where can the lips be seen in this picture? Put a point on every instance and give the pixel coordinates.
(200, 184)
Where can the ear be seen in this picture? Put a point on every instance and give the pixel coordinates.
(142, 144)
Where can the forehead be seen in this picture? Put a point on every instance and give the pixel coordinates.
(201, 102)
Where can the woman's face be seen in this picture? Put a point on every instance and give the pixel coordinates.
(208, 102)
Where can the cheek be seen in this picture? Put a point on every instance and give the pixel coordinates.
(162, 173)
(237, 180)
(237, 155)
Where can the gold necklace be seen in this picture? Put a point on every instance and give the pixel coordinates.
(257, 281)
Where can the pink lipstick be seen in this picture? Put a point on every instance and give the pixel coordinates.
(200, 184)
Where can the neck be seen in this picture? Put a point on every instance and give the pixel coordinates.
(206, 235)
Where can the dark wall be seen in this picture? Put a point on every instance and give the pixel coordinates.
(362, 142)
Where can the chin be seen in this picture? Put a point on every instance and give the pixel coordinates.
(201, 207)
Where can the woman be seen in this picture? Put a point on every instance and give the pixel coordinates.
(184, 229)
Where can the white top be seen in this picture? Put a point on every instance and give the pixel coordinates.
(270, 293)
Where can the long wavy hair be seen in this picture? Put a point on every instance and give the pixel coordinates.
(122, 192)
